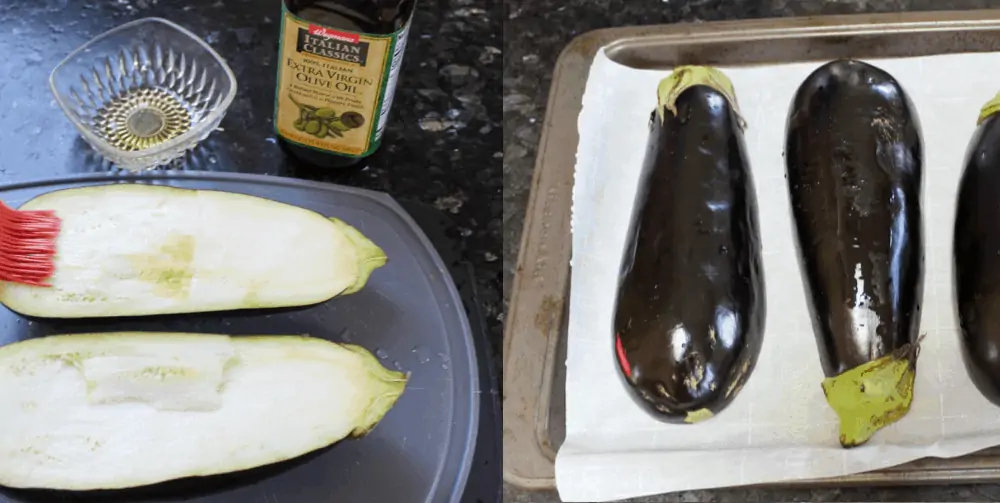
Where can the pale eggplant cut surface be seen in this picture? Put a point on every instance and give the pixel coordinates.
(409, 315)
(119, 410)
(135, 250)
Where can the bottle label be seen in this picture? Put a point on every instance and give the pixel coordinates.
(335, 87)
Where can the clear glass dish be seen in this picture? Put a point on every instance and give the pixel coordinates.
(144, 93)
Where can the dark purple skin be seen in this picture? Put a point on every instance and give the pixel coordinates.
(690, 307)
(976, 259)
(854, 163)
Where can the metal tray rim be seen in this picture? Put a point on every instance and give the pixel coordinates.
(123, 177)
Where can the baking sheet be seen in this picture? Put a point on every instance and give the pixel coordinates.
(779, 427)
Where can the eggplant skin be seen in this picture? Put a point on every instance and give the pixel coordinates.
(976, 259)
(854, 164)
(690, 307)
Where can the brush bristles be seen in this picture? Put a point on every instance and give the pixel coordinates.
(27, 245)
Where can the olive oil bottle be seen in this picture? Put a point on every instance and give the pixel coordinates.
(338, 62)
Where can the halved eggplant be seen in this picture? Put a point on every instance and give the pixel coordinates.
(118, 410)
(854, 161)
(136, 249)
(976, 254)
(690, 306)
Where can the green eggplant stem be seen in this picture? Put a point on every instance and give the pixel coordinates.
(684, 77)
(871, 396)
(991, 107)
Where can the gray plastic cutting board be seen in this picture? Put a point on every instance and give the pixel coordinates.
(409, 315)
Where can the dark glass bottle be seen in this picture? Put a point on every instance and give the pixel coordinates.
(338, 65)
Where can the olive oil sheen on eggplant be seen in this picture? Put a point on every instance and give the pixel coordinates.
(690, 306)
(854, 163)
(976, 254)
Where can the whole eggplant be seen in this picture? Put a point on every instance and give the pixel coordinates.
(690, 307)
(976, 255)
(854, 164)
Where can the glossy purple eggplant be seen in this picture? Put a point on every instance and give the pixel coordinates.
(976, 255)
(690, 306)
(854, 164)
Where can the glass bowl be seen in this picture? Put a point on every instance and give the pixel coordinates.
(144, 93)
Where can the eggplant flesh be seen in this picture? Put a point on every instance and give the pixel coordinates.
(854, 161)
(690, 306)
(976, 256)
(137, 250)
(127, 409)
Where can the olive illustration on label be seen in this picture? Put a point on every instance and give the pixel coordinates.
(352, 119)
(322, 122)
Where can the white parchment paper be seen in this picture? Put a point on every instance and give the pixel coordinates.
(779, 427)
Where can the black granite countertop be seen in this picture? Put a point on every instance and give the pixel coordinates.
(535, 31)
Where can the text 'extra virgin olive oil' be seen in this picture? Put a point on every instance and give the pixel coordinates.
(337, 70)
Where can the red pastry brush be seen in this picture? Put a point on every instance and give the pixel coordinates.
(27, 245)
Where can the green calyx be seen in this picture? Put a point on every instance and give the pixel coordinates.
(370, 256)
(871, 396)
(991, 107)
(386, 386)
(684, 77)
